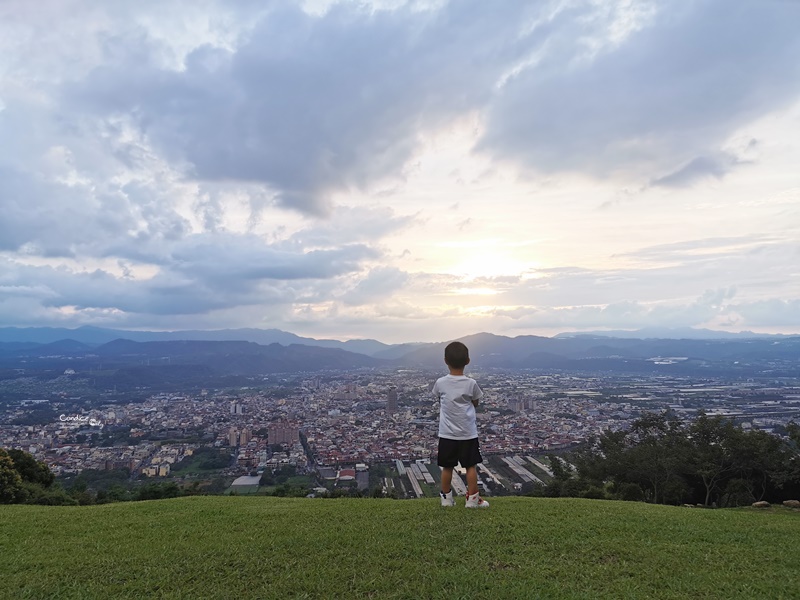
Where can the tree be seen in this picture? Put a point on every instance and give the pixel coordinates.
(764, 461)
(11, 490)
(559, 468)
(30, 469)
(157, 491)
(650, 454)
(656, 451)
(713, 441)
(793, 429)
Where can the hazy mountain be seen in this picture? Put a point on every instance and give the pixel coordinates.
(231, 354)
(65, 347)
(96, 336)
(588, 352)
(678, 333)
(236, 357)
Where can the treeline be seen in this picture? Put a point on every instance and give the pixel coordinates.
(661, 459)
(24, 480)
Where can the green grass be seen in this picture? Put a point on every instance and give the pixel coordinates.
(260, 547)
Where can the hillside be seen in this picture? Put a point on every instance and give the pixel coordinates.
(259, 547)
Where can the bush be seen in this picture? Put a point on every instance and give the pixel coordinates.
(52, 496)
(594, 492)
(630, 492)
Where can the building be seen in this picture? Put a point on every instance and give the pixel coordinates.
(391, 402)
(244, 437)
(283, 434)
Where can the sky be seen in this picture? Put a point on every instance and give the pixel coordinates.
(400, 170)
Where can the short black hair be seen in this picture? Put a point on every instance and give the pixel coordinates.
(456, 355)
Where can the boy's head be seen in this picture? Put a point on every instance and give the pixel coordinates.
(456, 355)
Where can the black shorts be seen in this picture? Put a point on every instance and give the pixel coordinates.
(452, 452)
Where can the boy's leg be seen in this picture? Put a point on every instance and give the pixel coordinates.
(474, 499)
(447, 478)
(472, 480)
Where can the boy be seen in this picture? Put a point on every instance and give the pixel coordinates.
(458, 396)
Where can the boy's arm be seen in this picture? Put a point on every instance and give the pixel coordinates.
(477, 394)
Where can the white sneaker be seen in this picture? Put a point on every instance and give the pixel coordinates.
(447, 499)
(475, 501)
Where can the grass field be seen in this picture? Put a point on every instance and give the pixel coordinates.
(263, 547)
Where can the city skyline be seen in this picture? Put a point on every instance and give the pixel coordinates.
(401, 171)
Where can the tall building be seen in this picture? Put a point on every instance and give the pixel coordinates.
(233, 437)
(391, 402)
(244, 437)
(283, 434)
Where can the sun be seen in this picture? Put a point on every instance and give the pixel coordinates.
(489, 258)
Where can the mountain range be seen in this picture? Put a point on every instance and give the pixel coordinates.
(257, 351)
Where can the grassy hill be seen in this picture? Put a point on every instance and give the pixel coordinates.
(261, 547)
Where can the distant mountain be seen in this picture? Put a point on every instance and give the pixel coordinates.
(96, 336)
(676, 333)
(246, 352)
(236, 358)
(398, 350)
(65, 347)
(597, 353)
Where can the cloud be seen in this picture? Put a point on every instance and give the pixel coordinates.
(662, 101)
(197, 275)
(625, 314)
(706, 249)
(239, 259)
(313, 105)
(774, 312)
(380, 283)
(52, 218)
(151, 148)
(349, 225)
(699, 168)
(309, 105)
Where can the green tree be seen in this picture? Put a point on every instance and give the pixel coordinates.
(650, 454)
(712, 458)
(656, 451)
(30, 469)
(157, 491)
(763, 461)
(559, 468)
(117, 493)
(793, 429)
(11, 490)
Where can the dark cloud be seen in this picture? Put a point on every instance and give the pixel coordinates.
(239, 259)
(650, 106)
(49, 218)
(312, 105)
(202, 274)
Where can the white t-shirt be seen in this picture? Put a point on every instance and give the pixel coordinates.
(456, 411)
